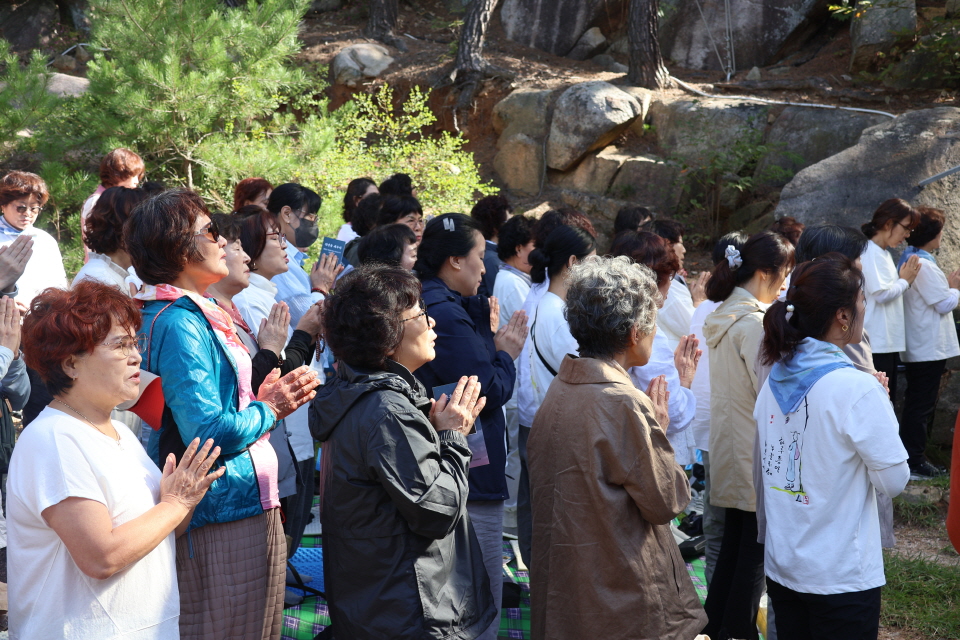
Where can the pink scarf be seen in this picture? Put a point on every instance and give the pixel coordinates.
(264, 457)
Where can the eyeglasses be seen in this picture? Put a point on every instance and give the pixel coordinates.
(22, 208)
(211, 230)
(128, 344)
(282, 239)
(309, 217)
(907, 227)
(423, 313)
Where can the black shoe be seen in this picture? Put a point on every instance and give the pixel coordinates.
(926, 471)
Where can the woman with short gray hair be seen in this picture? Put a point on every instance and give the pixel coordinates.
(599, 442)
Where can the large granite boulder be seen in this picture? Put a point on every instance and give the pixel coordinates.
(359, 63)
(519, 163)
(64, 86)
(523, 111)
(28, 24)
(762, 31)
(699, 132)
(887, 162)
(556, 26)
(587, 116)
(650, 182)
(802, 136)
(877, 28)
(594, 174)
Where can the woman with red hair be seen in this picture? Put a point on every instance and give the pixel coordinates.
(677, 366)
(251, 191)
(91, 518)
(119, 168)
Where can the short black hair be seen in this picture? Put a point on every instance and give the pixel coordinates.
(296, 196)
(930, 225)
(669, 229)
(821, 239)
(515, 232)
(364, 217)
(631, 219)
(385, 245)
(491, 212)
(362, 318)
(396, 207)
(228, 225)
(399, 184)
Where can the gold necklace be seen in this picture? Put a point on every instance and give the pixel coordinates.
(90, 422)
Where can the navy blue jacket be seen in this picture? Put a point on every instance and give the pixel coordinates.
(465, 348)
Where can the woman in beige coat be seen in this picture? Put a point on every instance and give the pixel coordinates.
(745, 284)
(603, 477)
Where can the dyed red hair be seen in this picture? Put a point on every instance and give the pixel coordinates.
(62, 323)
(248, 189)
(650, 249)
(119, 166)
(21, 184)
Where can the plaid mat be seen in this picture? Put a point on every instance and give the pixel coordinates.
(310, 618)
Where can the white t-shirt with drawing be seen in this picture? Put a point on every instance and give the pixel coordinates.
(820, 507)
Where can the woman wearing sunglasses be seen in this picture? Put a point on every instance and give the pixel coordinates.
(22, 196)
(230, 564)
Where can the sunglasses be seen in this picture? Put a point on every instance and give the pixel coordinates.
(211, 230)
(22, 208)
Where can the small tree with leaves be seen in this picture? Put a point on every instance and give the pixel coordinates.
(179, 72)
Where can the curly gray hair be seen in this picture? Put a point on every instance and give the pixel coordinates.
(606, 298)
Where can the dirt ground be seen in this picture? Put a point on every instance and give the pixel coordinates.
(430, 34)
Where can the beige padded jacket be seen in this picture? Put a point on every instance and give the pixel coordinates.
(733, 333)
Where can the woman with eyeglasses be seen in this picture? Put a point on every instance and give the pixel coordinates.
(884, 284)
(260, 238)
(401, 559)
(230, 563)
(91, 518)
(22, 196)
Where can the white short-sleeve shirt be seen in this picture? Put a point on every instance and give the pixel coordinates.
(927, 313)
(822, 526)
(56, 458)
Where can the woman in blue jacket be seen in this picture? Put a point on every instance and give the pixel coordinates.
(450, 264)
(230, 565)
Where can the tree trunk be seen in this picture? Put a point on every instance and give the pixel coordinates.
(646, 64)
(383, 20)
(470, 51)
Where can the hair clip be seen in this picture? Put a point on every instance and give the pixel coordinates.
(733, 257)
(449, 224)
(790, 310)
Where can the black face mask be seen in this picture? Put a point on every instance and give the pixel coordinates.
(306, 234)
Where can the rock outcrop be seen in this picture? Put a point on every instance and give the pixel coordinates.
(359, 63)
(555, 26)
(587, 116)
(877, 28)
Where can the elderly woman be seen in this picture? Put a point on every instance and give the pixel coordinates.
(394, 245)
(91, 517)
(604, 480)
(231, 562)
(251, 191)
(401, 559)
(108, 261)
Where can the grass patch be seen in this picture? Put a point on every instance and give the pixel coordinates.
(921, 596)
(927, 516)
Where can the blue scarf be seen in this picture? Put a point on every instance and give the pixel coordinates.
(9, 229)
(909, 251)
(791, 380)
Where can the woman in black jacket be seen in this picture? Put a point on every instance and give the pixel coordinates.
(401, 559)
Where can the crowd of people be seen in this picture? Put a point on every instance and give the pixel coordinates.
(465, 378)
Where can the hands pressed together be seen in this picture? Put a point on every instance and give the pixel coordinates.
(287, 394)
(513, 334)
(460, 410)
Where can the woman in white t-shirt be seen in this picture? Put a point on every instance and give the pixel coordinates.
(827, 437)
(674, 319)
(91, 517)
(931, 338)
(550, 338)
(884, 285)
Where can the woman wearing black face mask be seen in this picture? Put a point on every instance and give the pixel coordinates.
(296, 207)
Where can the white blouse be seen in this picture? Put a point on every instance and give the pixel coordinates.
(884, 290)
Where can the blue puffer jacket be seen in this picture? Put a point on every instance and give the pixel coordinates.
(200, 386)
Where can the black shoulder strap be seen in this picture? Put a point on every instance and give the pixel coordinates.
(533, 337)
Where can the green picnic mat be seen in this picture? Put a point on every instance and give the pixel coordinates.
(310, 618)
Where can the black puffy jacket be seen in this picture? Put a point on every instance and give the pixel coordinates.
(401, 559)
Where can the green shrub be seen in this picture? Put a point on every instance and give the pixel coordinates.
(24, 100)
